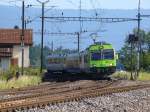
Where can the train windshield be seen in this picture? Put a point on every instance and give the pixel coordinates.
(104, 54)
(108, 54)
(96, 56)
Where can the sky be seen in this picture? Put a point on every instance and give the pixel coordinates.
(111, 29)
(86, 4)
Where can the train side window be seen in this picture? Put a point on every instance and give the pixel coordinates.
(80, 58)
(52, 60)
(56, 60)
(49, 61)
(85, 59)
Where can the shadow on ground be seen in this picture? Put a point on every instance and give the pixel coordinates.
(58, 77)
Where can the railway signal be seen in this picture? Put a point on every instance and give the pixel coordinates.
(131, 40)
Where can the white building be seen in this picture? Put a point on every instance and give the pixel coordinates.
(10, 48)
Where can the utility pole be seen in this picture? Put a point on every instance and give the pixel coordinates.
(52, 46)
(22, 39)
(26, 22)
(80, 32)
(78, 36)
(42, 30)
(132, 40)
(139, 39)
(131, 61)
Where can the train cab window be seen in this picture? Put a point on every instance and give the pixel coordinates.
(96, 56)
(108, 54)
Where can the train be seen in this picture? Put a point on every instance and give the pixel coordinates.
(98, 58)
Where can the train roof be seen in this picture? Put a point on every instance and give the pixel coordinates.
(56, 56)
(100, 45)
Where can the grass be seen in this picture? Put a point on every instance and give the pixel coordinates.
(22, 81)
(143, 76)
(121, 75)
(9, 79)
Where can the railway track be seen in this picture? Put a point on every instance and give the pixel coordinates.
(53, 89)
(65, 96)
(25, 90)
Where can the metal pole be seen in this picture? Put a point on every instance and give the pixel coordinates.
(80, 32)
(42, 30)
(139, 39)
(22, 38)
(78, 41)
(131, 61)
(25, 27)
(52, 46)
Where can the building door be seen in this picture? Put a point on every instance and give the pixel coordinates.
(14, 62)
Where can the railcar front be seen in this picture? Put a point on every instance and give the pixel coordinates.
(102, 58)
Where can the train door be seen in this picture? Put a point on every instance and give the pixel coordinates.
(86, 61)
(82, 66)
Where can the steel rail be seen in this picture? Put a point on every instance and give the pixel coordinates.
(74, 96)
(51, 91)
(12, 104)
(66, 97)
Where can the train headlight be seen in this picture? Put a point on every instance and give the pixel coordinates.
(111, 64)
(94, 65)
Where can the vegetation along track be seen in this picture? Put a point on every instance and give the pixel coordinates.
(65, 95)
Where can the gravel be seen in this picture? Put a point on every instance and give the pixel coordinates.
(133, 101)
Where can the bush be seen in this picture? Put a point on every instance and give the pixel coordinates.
(32, 71)
(22, 81)
(9, 78)
(9, 74)
(14, 72)
(122, 75)
(144, 76)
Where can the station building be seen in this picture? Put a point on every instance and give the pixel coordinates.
(11, 50)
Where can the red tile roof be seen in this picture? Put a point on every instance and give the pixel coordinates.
(13, 36)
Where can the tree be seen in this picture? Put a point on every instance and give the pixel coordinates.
(35, 52)
(125, 52)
